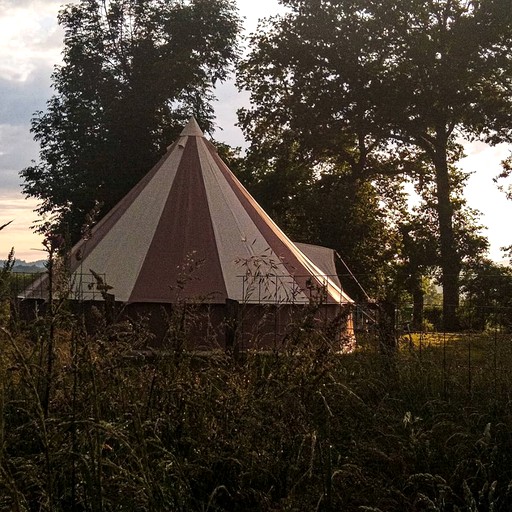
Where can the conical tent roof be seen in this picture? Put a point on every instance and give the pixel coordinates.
(190, 230)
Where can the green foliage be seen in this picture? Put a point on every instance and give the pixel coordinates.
(5, 274)
(324, 203)
(5, 283)
(487, 289)
(422, 241)
(297, 429)
(133, 72)
(385, 87)
(5, 287)
(506, 172)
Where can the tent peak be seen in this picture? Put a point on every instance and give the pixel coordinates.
(192, 129)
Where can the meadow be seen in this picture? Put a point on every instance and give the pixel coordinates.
(98, 423)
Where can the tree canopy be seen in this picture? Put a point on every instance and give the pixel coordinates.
(487, 289)
(133, 72)
(323, 204)
(421, 255)
(379, 84)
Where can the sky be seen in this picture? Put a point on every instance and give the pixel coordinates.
(30, 46)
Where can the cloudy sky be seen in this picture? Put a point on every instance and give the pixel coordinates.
(30, 45)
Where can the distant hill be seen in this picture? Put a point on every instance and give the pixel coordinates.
(28, 267)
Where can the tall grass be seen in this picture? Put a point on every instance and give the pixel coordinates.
(291, 430)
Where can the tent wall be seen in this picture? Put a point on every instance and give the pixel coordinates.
(208, 326)
(256, 327)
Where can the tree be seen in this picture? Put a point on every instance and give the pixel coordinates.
(487, 289)
(419, 260)
(323, 202)
(421, 238)
(133, 72)
(505, 185)
(506, 173)
(362, 77)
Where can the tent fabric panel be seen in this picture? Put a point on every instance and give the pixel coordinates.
(84, 247)
(182, 261)
(123, 246)
(192, 129)
(322, 262)
(323, 257)
(295, 262)
(244, 253)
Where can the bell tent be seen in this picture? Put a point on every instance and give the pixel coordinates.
(189, 234)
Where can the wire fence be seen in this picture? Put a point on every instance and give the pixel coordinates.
(479, 354)
(468, 361)
(79, 286)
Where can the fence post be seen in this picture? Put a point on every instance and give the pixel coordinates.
(387, 328)
(470, 384)
(445, 383)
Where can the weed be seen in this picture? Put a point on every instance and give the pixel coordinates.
(301, 427)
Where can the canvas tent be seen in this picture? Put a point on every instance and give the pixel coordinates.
(189, 232)
(324, 259)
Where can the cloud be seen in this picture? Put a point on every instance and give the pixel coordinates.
(483, 163)
(17, 149)
(20, 100)
(13, 205)
(29, 37)
(252, 11)
(8, 5)
(229, 100)
(481, 155)
(30, 46)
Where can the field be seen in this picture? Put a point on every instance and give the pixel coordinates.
(94, 427)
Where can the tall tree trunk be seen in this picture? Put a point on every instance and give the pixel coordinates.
(418, 299)
(450, 264)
